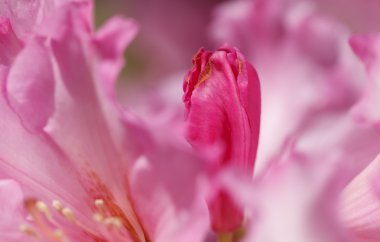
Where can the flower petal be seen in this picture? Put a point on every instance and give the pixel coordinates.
(111, 41)
(171, 203)
(23, 16)
(360, 204)
(30, 84)
(367, 48)
(11, 211)
(294, 201)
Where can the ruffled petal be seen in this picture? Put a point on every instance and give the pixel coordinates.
(30, 85)
(360, 204)
(295, 201)
(367, 48)
(111, 41)
(27, 16)
(168, 181)
(24, 15)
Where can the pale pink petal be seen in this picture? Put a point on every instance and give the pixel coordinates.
(55, 22)
(360, 204)
(341, 134)
(27, 16)
(168, 180)
(30, 84)
(38, 157)
(11, 212)
(111, 41)
(367, 48)
(23, 15)
(169, 199)
(31, 157)
(295, 201)
(65, 139)
(36, 163)
(82, 128)
(88, 136)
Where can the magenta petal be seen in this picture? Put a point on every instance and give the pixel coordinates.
(9, 43)
(222, 96)
(226, 215)
(364, 48)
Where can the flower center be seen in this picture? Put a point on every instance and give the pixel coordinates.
(59, 223)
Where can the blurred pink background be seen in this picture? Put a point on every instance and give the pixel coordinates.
(171, 31)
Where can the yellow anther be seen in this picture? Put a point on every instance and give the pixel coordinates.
(225, 237)
(27, 230)
(97, 217)
(99, 203)
(69, 215)
(205, 74)
(57, 205)
(240, 66)
(113, 221)
(59, 234)
(43, 208)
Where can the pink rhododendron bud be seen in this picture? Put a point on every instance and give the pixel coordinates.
(222, 97)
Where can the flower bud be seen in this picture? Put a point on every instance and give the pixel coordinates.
(222, 99)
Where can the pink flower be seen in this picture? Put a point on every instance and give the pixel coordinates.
(222, 98)
(83, 168)
(77, 166)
